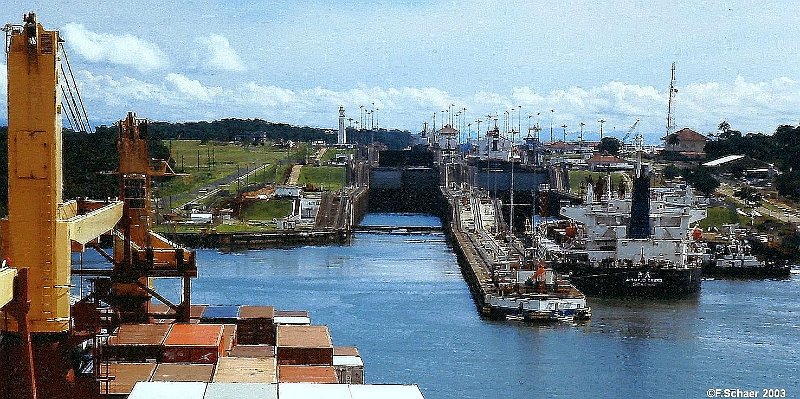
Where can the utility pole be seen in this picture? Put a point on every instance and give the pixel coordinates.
(565, 135)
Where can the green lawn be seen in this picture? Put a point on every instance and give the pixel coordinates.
(327, 177)
(267, 210)
(217, 160)
(719, 215)
(576, 177)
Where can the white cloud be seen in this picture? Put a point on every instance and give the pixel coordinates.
(124, 49)
(747, 105)
(192, 88)
(219, 55)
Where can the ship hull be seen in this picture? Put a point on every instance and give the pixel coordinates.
(640, 282)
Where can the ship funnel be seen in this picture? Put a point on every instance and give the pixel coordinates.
(640, 206)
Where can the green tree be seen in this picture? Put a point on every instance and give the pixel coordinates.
(701, 179)
(610, 145)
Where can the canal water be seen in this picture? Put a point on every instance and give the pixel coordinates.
(402, 300)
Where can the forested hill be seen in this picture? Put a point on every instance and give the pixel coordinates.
(233, 129)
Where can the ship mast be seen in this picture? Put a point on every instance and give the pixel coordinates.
(672, 91)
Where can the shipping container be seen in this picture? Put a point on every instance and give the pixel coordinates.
(183, 372)
(253, 351)
(349, 369)
(220, 315)
(136, 342)
(118, 379)
(345, 351)
(304, 345)
(305, 391)
(227, 390)
(256, 325)
(228, 338)
(245, 369)
(168, 390)
(314, 374)
(291, 313)
(193, 343)
(385, 392)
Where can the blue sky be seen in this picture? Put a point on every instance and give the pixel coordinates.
(296, 61)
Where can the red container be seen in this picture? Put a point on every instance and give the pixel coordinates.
(136, 342)
(256, 325)
(252, 351)
(304, 345)
(194, 343)
(118, 379)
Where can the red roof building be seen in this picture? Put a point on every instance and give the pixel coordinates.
(687, 142)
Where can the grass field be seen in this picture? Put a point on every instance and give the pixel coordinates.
(267, 210)
(719, 215)
(576, 177)
(328, 177)
(217, 160)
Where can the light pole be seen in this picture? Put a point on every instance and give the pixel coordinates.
(565, 135)
(376, 118)
(361, 112)
(581, 136)
(552, 111)
(602, 121)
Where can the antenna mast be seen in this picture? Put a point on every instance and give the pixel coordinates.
(672, 91)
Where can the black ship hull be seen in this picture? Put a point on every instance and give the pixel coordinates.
(641, 282)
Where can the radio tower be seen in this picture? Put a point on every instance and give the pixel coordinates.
(672, 91)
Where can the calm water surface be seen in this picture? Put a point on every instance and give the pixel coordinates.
(403, 302)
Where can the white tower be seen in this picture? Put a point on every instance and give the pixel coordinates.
(342, 132)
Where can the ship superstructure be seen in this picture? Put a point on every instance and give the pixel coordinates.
(638, 245)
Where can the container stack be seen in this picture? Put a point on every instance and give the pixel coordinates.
(256, 325)
(194, 343)
(137, 342)
(348, 365)
(245, 369)
(304, 345)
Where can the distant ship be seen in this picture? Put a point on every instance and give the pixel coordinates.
(637, 246)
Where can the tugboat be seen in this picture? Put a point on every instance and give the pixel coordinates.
(733, 258)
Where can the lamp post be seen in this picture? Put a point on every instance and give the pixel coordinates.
(552, 111)
(602, 121)
(565, 135)
(361, 112)
(581, 136)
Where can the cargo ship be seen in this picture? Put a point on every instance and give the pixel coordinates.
(628, 246)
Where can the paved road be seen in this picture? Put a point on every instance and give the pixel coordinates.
(785, 213)
(201, 193)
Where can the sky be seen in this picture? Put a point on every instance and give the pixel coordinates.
(564, 63)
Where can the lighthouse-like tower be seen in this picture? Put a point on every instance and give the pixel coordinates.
(342, 140)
